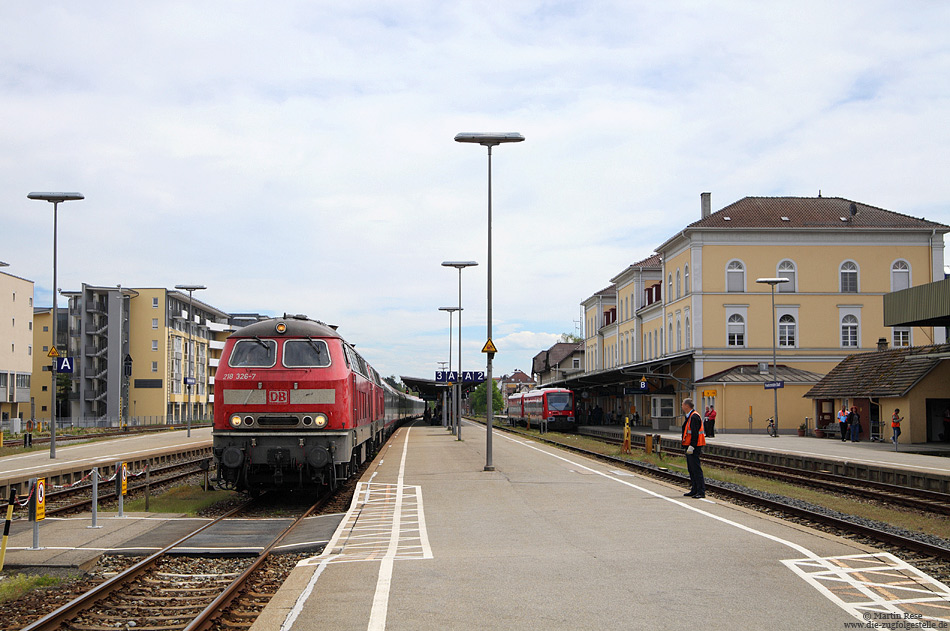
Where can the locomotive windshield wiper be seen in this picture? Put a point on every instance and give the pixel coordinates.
(261, 342)
(313, 343)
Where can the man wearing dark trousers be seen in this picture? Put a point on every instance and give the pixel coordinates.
(694, 438)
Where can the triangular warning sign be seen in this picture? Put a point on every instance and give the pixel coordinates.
(53, 352)
(489, 347)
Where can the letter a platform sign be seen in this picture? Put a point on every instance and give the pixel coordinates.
(64, 364)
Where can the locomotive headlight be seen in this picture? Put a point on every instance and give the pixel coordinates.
(320, 420)
(235, 421)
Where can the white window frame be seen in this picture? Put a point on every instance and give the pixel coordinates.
(850, 322)
(857, 276)
(792, 275)
(904, 331)
(794, 328)
(686, 288)
(905, 270)
(735, 267)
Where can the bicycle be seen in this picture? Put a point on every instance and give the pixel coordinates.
(770, 428)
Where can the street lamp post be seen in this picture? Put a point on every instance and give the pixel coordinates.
(191, 316)
(459, 265)
(452, 424)
(489, 140)
(55, 199)
(772, 282)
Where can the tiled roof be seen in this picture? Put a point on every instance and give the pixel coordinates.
(545, 360)
(749, 373)
(654, 260)
(889, 373)
(810, 212)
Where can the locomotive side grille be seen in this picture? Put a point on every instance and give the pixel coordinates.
(277, 421)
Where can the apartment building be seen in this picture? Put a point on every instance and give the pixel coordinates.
(16, 346)
(705, 330)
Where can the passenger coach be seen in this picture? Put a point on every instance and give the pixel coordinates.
(554, 405)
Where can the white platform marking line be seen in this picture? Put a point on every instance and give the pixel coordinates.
(377, 617)
(812, 557)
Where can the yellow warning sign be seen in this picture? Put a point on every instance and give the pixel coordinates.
(40, 499)
(489, 347)
(53, 352)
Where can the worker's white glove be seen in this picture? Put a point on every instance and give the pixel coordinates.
(689, 450)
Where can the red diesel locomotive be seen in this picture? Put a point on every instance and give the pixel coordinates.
(296, 406)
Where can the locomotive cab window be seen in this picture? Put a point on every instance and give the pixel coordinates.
(559, 401)
(307, 353)
(253, 353)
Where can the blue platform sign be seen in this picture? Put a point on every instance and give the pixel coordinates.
(446, 376)
(190, 381)
(64, 364)
(774, 385)
(473, 376)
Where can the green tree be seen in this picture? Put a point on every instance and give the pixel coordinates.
(572, 338)
(479, 398)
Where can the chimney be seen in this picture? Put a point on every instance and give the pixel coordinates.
(882, 343)
(706, 204)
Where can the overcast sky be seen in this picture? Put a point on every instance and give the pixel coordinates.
(299, 156)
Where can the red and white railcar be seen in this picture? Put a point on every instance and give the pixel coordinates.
(553, 405)
(295, 405)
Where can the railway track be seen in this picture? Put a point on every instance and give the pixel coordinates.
(909, 497)
(167, 592)
(866, 531)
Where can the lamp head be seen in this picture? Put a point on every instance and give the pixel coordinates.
(490, 139)
(190, 287)
(56, 197)
(450, 309)
(459, 264)
(772, 281)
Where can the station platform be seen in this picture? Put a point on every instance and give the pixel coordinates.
(73, 543)
(549, 540)
(16, 470)
(922, 466)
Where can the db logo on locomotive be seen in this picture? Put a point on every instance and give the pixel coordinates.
(278, 396)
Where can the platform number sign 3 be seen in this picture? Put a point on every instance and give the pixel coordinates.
(278, 396)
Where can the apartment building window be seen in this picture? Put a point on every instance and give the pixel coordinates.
(154, 345)
(679, 285)
(689, 338)
(155, 302)
(154, 366)
(686, 279)
(849, 277)
(786, 269)
(669, 338)
(679, 335)
(735, 276)
(735, 330)
(154, 323)
(901, 336)
(849, 331)
(787, 328)
(29, 350)
(669, 293)
(900, 275)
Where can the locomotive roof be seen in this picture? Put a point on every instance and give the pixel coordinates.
(297, 326)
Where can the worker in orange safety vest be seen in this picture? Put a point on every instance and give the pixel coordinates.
(694, 438)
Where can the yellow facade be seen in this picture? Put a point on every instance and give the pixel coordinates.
(17, 352)
(41, 381)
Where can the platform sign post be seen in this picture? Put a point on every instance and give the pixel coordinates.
(121, 484)
(95, 497)
(37, 508)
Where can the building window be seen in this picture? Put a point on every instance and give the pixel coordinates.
(29, 350)
(689, 339)
(735, 330)
(154, 323)
(900, 275)
(45, 329)
(786, 269)
(669, 339)
(679, 285)
(686, 279)
(155, 302)
(154, 366)
(786, 331)
(735, 276)
(849, 278)
(679, 335)
(901, 336)
(154, 345)
(669, 293)
(849, 331)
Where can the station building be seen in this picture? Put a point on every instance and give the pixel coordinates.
(691, 320)
(16, 346)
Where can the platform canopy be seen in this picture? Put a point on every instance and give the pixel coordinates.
(923, 305)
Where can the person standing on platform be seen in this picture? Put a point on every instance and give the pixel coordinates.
(843, 422)
(896, 425)
(694, 438)
(710, 422)
(854, 424)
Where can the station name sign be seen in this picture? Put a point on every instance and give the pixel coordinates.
(774, 385)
